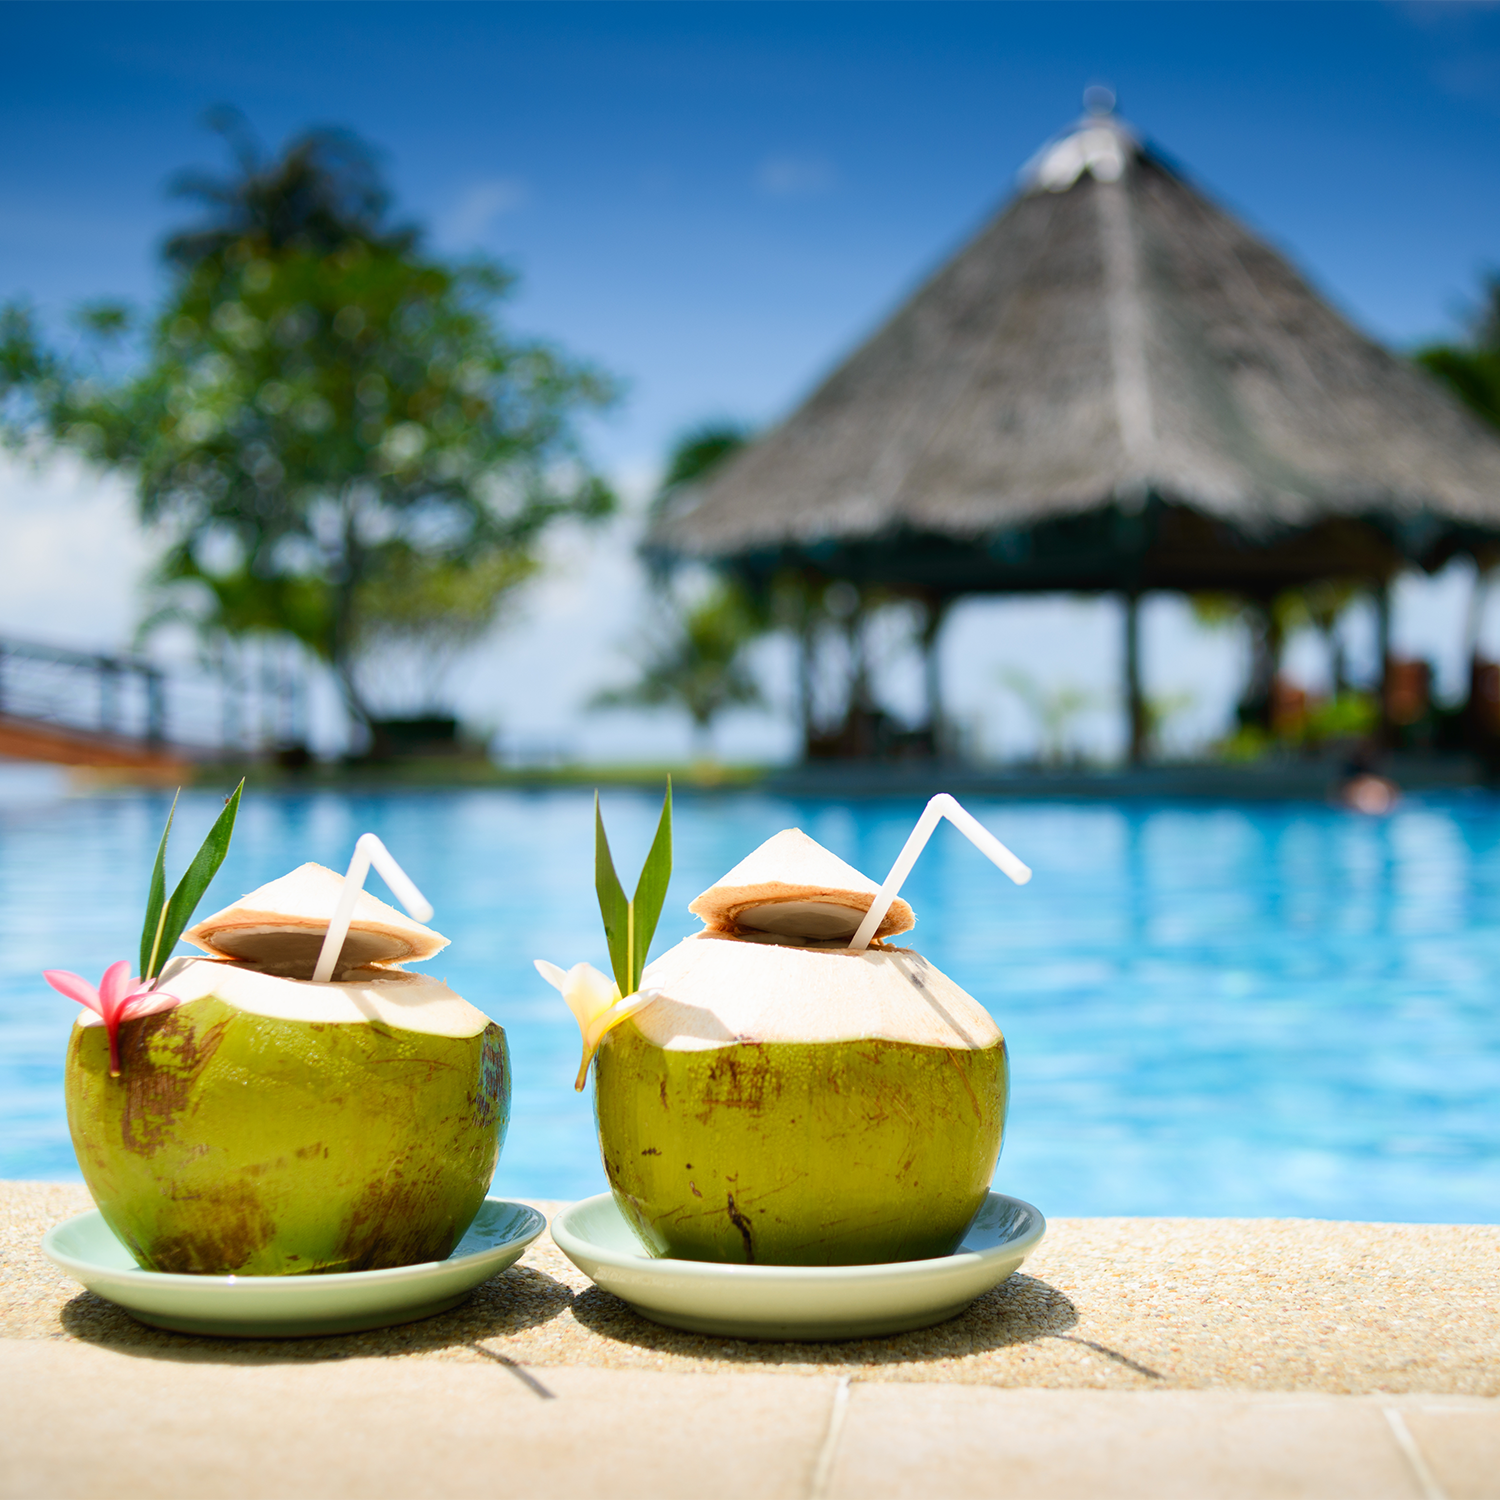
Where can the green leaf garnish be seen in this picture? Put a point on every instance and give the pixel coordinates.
(165, 923)
(629, 925)
(614, 907)
(156, 900)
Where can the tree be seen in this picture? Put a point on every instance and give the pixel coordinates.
(327, 425)
(692, 656)
(1320, 606)
(694, 660)
(694, 454)
(1054, 710)
(1270, 622)
(1472, 369)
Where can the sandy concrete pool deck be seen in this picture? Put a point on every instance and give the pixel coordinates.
(1131, 1357)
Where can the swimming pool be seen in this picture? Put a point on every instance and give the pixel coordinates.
(1231, 1010)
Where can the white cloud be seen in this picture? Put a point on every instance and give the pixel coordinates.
(795, 176)
(479, 206)
(74, 556)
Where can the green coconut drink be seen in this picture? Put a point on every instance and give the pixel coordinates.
(771, 1094)
(261, 1123)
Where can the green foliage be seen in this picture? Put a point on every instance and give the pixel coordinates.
(1346, 716)
(28, 372)
(1216, 611)
(1471, 370)
(694, 659)
(694, 454)
(1249, 742)
(1161, 709)
(1054, 709)
(1312, 606)
(323, 190)
(1349, 715)
(435, 602)
(691, 655)
(326, 416)
(1472, 375)
(166, 920)
(629, 925)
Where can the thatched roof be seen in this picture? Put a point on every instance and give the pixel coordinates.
(1111, 342)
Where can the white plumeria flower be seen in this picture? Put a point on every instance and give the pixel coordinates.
(595, 1001)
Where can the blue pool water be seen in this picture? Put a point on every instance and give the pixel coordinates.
(1238, 1009)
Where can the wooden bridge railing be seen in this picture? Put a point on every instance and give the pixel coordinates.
(84, 708)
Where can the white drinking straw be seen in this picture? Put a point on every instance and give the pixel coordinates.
(368, 850)
(941, 806)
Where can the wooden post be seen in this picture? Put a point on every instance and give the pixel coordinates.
(1382, 593)
(805, 679)
(859, 720)
(1475, 727)
(932, 675)
(1258, 706)
(156, 707)
(109, 695)
(1135, 700)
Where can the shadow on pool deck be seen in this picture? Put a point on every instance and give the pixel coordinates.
(1020, 1310)
(1267, 1305)
(518, 1299)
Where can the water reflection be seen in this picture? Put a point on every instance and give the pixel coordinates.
(1212, 1010)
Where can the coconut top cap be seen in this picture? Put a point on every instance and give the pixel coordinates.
(282, 925)
(792, 886)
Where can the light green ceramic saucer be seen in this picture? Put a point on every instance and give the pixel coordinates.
(797, 1302)
(293, 1306)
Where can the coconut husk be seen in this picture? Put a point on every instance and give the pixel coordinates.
(391, 997)
(714, 990)
(281, 926)
(795, 887)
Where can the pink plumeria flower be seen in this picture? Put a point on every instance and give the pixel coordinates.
(118, 998)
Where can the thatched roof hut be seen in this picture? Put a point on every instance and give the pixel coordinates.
(1114, 386)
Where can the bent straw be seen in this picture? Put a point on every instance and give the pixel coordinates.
(941, 806)
(368, 850)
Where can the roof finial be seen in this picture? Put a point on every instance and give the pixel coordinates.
(1099, 99)
(1100, 144)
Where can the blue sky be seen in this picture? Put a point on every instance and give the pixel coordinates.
(714, 200)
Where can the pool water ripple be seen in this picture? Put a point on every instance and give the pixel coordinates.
(1241, 1009)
